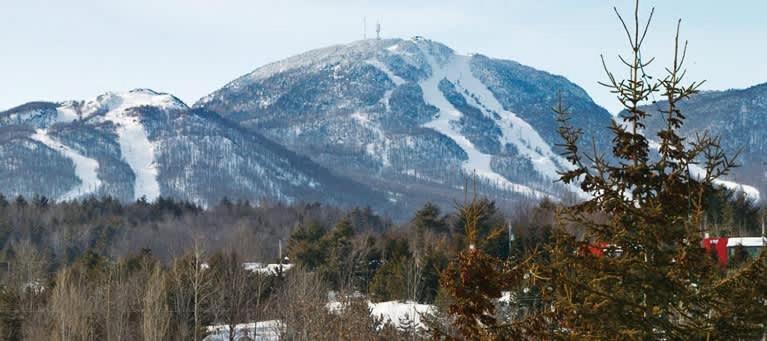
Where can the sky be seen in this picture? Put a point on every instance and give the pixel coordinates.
(77, 49)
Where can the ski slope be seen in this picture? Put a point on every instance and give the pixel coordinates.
(515, 130)
(136, 148)
(86, 169)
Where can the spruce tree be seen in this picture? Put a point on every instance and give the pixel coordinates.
(653, 280)
(472, 281)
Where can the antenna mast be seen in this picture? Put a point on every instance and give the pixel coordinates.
(378, 30)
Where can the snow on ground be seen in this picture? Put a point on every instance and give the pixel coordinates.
(457, 71)
(256, 331)
(270, 269)
(138, 152)
(67, 112)
(395, 313)
(363, 119)
(86, 169)
(514, 129)
(134, 143)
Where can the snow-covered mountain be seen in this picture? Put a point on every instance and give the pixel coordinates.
(387, 123)
(147, 144)
(413, 117)
(739, 118)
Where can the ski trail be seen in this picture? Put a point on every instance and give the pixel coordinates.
(86, 169)
(514, 129)
(137, 151)
(397, 80)
(478, 162)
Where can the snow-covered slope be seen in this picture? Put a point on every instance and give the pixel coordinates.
(457, 70)
(116, 109)
(86, 169)
(415, 118)
(135, 146)
(136, 149)
(144, 144)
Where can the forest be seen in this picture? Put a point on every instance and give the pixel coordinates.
(99, 269)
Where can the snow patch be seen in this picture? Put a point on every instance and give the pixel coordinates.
(396, 313)
(374, 150)
(514, 129)
(363, 119)
(86, 169)
(257, 331)
(67, 112)
(138, 152)
(267, 269)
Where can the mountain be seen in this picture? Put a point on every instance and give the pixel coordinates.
(147, 144)
(738, 117)
(386, 123)
(414, 118)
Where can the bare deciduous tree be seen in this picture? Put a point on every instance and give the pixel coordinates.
(156, 313)
(72, 308)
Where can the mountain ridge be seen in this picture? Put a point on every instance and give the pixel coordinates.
(388, 123)
(144, 144)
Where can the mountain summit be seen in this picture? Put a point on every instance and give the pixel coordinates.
(414, 118)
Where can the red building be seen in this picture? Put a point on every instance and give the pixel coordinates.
(724, 247)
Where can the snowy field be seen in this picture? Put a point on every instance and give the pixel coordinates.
(393, 312)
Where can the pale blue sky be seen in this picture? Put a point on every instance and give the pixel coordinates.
(77, 49)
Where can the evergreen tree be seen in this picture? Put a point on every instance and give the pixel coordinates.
(338, 269)
(472, 281)
(429, 218)
(654, 280)
(305, 247)
(390, 282)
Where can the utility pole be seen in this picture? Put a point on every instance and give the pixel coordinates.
(511, 238)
